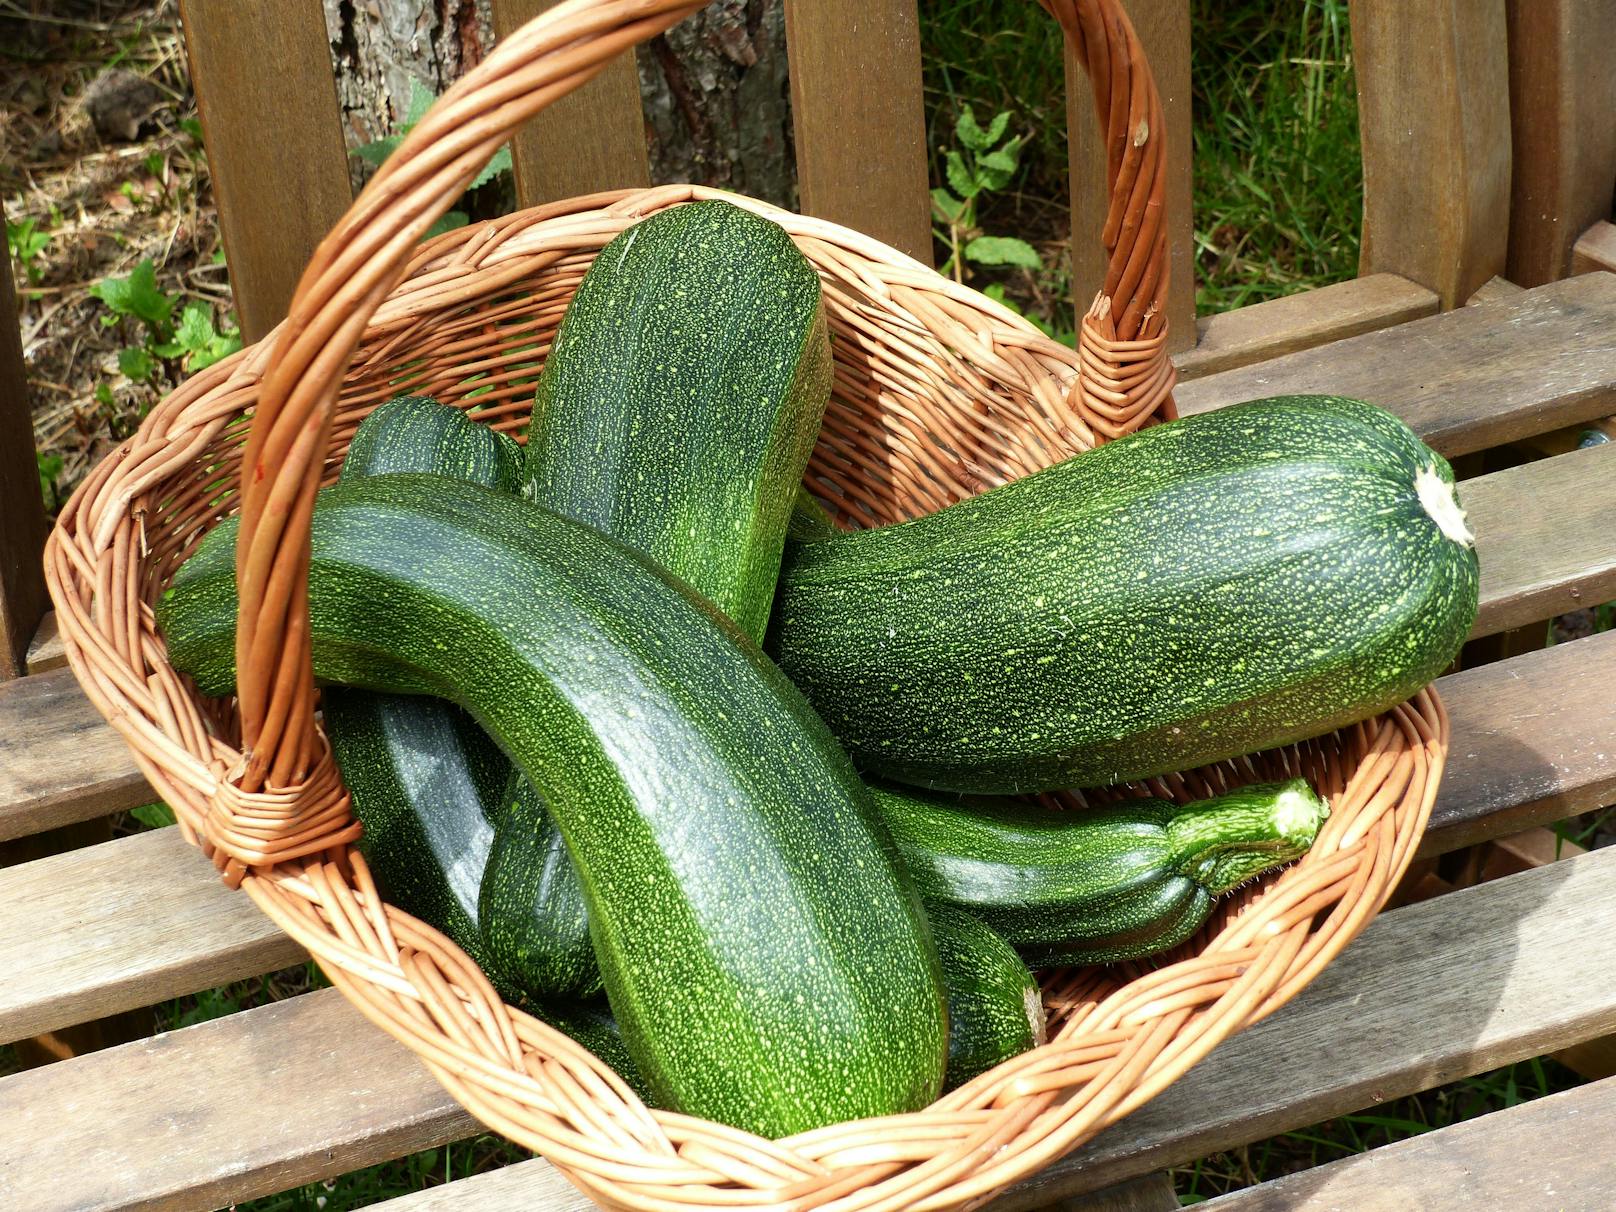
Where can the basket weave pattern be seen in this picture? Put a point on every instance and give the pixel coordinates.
(939, 393)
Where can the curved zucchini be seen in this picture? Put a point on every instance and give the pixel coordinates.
(1222, 584)
(1112, 883)
(769, 964)
(416, 433)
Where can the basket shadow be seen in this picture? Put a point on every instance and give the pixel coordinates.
(1416, 1001)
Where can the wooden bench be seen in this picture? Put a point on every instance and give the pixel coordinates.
(304, 1089)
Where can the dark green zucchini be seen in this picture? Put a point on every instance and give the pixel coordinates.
(535, 928)
(416, 433)
(424, 780)
(995, 1009)
(592, 1025)
(768, 963)
(1111, 883)
(1222, 584)
(683, 395)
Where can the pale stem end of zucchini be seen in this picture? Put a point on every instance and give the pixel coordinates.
(1221, 843)
(1441, 501)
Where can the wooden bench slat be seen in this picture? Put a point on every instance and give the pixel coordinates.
(22, 514)
(1548, 1155)
(281, 184)
(1545, 537)
(1595, 250)
(1509, 768)
(45, 650)
(127, 923)
(1526, 745)
(1266, 330)
(1465, 380)
(857, 117)
(60, 762)
(306, 1089)
(590, 140)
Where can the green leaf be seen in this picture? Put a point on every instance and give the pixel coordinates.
(421, 99)
(969, 133)
(995, 291)
(50, 466)
(501, 163)
(154, 816)
(103, 395)
(960, 179)
(946, 206)
(195, 329)
(374, 153)
(996, 129)
(136, 364)
(138, 295)
(192, 127)
(1003, 250)
(1005, 160)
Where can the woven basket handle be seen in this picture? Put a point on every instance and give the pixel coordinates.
(363, 259)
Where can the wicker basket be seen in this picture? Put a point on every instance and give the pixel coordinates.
(939, 392)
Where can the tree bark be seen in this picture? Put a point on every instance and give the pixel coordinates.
(714, 88)
(717, 103)
(378, 46)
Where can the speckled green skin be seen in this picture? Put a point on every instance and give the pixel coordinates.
(592, 1025)
(683, 396)
(425, 781)
(416, 433)
(1218, 585)
(995, 1010)
(768, 962)
(535, 927)
(1113, 883)
(427, 784)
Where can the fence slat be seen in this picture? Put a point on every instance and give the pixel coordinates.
(273, 130)
(1562, 97)
(22, 513)
(1433, 103)
(1163, 27)
(857, 114)
(590, 140)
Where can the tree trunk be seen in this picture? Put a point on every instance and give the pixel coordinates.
(714, 87)
(379, 46)
(717, 103)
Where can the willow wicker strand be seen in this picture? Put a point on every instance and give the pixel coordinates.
(939, 393)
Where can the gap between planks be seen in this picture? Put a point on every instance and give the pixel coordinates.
(306, 1089)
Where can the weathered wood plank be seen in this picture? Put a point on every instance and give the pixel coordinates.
(857, 116)
(519, 1188)
(199, 1118)
(1429, 994)
(1465, 380)
(1433, 104)
(1527, 744)
(61, 761)
(22, 514)
(305, 1089)
(281, 184)
(589, 140)
(1548, 1155)
(1562, 101)
(45, 650)
(1266, 330)
(1595, 250)
(130, 922)
(1150, 1193)
(1545, 537)
(1494, 290)
(1163, 27)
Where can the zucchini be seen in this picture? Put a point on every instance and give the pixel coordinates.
(767, 961)
(995, 1009)
(593, 1026)
(535, 929)
(423, 779)
(683, 396)
(1221, 584)
(1111, 883)
(416, 433)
